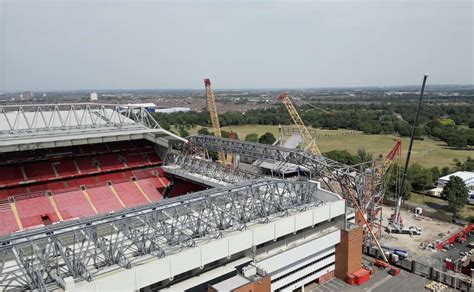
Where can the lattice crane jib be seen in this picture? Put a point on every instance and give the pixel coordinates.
(375, 189)
(212, 108)
(305, 134)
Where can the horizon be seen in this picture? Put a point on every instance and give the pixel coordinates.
(411, 86)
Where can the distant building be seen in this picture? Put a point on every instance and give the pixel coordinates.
(466, 176)
(150, 107)
(171, 110)
(94, 96)
(26, 95)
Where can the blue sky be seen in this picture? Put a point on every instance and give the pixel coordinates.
(61, 45)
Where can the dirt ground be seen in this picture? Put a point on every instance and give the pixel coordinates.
(432, 230)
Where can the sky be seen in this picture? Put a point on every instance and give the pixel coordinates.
(74, 45)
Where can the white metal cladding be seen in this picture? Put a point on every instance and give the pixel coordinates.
(310, 277)
(303, 272)
(298, 264)
(289, 257)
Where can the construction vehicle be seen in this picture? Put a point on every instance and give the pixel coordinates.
(308, 140)
(212, 108)
(396, 224)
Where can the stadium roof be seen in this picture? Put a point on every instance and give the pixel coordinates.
(26, 127)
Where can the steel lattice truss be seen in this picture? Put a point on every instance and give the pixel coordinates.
(352, 181)
(20, 119)
(209, 169)
(41, 258)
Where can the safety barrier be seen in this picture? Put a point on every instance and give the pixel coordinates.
(426, 271)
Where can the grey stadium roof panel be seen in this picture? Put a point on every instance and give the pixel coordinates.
(26, 127)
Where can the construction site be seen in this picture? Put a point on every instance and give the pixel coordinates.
(99, 197)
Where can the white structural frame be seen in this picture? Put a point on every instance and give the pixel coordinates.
(39, 126)
(43, 258)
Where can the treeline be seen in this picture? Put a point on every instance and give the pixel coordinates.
(453, 124)
(419, 178)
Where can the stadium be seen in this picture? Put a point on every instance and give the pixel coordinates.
(100, 197)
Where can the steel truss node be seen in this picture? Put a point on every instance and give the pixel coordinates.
(42, 258)
(355, 181)
(209, 169)
(30, 119)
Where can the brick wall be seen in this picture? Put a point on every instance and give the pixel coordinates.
(349, 252)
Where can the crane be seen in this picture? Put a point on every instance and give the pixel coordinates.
(305, 134)
(374, 203)
(229, 156)
(396, 224)
(211, 107)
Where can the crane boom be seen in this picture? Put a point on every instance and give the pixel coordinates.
(307, 138)
(212, 108)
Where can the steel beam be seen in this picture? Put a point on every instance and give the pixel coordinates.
(41, 258)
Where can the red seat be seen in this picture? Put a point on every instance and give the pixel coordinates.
(149, 186)
(31, 210)
(38, 170)
(103, 199)
(85, 164)
(7, 222)
(56, 186)
(73, 205)
(37, 188)
(130, 194)
(135, 159)
(65, 167)
(3, 194)
(154, 158)
(109, 161)
(113, 177)
(11, 174)
(77, 182)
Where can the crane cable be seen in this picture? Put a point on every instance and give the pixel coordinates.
(312, 105)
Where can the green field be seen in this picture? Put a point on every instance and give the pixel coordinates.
(428, 152)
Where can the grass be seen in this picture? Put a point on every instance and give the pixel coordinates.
(467, 212)
(428, 152)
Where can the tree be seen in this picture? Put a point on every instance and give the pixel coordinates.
(456, 193)
(252, 137)
(342, 156)
(204, 131)
(165, 125)
(267, 138)
(445, 171)
(183, 133)
(420, 178)
(363, 155)
(435, 173)
(226, 134)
